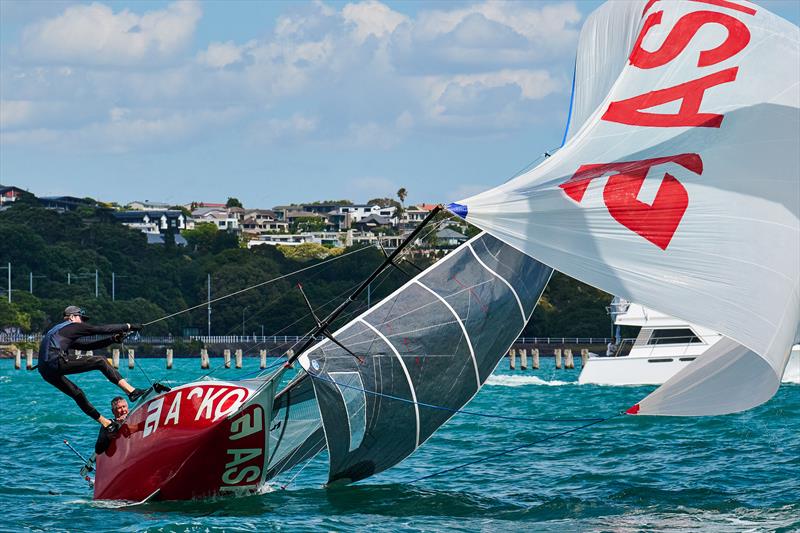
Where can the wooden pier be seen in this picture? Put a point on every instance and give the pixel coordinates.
(524, 355)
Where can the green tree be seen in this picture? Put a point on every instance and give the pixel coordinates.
(11, 316)
(308, 250)
(233, 202)
(310, 223)
(206, 238)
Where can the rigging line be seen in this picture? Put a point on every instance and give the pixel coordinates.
(276, 333)
(303, 317)
(456, 411)
(139, 366)
(513, 449)
(346, 315)
(350, 299)
(308, 462)
(273, 280)
(310, 277)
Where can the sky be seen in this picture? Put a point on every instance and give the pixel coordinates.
(278, 102)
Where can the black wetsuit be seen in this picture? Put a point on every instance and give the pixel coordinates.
(104, 439)
(55, 362)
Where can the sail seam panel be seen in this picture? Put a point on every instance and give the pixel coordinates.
(504, 280)
(405, 371)
(356, 435)
(463, 329)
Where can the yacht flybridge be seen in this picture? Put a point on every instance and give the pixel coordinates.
(664, 346)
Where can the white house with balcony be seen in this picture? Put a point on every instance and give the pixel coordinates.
(153, 222)
(221, 217)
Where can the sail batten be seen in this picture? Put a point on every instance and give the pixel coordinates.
(463, 329)
(405, 371)
(501, 278)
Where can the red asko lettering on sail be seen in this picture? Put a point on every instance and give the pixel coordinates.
(656, 222)
(630, 110)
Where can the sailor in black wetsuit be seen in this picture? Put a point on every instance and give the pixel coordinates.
(55, 362)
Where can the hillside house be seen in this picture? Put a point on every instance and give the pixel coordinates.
(9, 194)
(260, 221)
(152, 222)
(221, 217)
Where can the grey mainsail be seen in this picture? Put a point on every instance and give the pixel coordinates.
(433, 342)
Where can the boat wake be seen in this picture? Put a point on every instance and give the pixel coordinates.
(792, 377)
(519, 381)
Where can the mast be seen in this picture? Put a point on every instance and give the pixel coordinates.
(323, 325)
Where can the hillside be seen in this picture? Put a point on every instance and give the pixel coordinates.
(63, 251)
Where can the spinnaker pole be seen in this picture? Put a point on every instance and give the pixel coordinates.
(323, 325)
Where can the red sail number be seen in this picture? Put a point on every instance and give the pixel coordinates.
(690, 94)
(656, 222)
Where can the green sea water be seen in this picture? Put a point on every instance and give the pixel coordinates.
(729, 473)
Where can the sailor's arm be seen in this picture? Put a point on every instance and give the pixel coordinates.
(83, 329)
(81, 344)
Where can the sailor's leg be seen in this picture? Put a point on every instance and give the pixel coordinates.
(124, 385)
(78, 365)
(74, 392)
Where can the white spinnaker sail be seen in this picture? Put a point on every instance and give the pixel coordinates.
(681, 191)
(609, 32)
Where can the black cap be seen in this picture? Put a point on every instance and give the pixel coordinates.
(75, 310)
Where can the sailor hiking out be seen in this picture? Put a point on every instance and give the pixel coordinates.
(55, 361)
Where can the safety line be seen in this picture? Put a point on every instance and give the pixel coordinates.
(257, 285)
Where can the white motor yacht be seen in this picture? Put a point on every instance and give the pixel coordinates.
(663, 346)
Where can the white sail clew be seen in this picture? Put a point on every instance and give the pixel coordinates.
(680, 188)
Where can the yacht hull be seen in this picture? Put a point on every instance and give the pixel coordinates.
(198, 440)
(656, 369)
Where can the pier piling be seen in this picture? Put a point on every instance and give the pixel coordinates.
(557, 354)
(29, 358)
(115, 357)
(226, 354)
(263, 354)
(130, 358)
(204, 358)
(512, 358)
(169, 358)
(17, 359)
(239, 358)
(535, 353)
(89, 353)
(584, 356)
(569, 361)
(523, 359)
